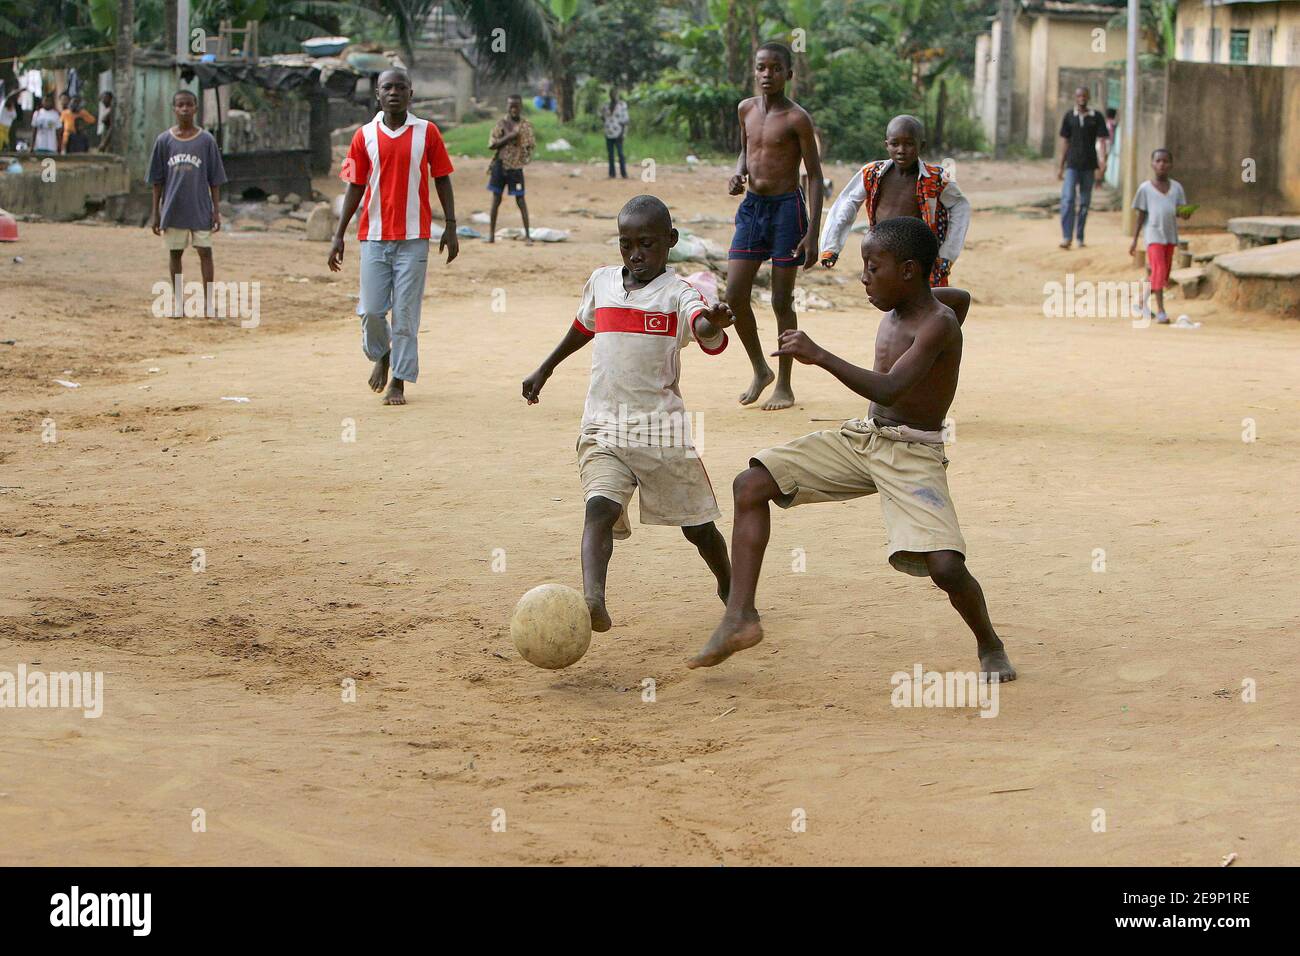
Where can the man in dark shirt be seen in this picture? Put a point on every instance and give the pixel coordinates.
(1080, 130)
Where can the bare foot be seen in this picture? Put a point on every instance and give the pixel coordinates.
(491, 238)
(396, 394)
(528, 241)
(997, 665)
(761, 381)
(600, 621)
(379, 376)
(782, 397)
(729, 637)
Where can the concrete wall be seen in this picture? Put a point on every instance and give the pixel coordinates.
(76, 180)
(1219, 115)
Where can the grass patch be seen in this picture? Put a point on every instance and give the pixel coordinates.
(586, 137)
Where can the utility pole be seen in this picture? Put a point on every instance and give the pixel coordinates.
(1129, 161)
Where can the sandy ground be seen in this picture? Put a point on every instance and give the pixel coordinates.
(373, 560)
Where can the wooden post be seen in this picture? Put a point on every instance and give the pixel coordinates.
(123, 80)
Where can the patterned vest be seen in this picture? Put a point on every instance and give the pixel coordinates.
(929, 186)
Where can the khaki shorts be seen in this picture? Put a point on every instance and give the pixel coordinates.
(862, 458)
(178, 239)
(675, 488)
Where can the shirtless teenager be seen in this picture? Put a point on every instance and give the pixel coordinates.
(902, 185)
(896, 450)
(776, 135)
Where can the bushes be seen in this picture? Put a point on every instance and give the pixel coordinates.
(702, 111)
(856, 95)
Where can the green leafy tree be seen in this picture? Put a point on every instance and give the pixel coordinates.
(617, 42)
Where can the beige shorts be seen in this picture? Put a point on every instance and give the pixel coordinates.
(862, 458)
(178, 239)
(675, 488)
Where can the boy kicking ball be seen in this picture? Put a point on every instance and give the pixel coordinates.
(634, 427)
(896, 451)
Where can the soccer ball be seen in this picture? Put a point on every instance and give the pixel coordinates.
(551, 626)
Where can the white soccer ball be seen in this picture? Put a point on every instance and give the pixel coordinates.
(551, 626)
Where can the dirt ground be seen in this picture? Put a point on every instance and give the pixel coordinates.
(374, 560)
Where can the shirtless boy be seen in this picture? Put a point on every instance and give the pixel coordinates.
(897, 450)
(634, 432)
(902, 185)
(776, 136)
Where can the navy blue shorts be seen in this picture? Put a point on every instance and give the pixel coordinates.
(501, 179)
(770, 227)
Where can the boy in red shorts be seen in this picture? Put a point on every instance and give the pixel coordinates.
(1160, 203)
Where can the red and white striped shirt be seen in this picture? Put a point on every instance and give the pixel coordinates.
(395, 165)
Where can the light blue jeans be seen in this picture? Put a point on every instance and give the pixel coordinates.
(392, 279)
(1082, 179)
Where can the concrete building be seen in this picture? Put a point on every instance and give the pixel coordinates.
(1256, 32)
(1055, 47)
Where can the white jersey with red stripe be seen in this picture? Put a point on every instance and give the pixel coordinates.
(395, 166)
(633, 398)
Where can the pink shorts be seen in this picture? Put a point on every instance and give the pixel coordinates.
(1160, 258)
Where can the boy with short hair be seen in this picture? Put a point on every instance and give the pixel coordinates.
(513, 142)
(902, 185)
(45, 128)
(389, 165)
(186, 173)
(635, 430)
(1159, 202)
(896, 451)
(74, 137)
(776, 135)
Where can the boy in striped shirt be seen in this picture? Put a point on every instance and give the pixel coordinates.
(635, 429)
(387, 170)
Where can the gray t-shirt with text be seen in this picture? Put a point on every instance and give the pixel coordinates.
(187, 168)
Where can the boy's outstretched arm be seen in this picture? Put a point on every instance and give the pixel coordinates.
(956, 299)
(573, 340)
(884, 388)
(840, 219)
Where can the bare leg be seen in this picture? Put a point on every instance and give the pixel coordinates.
(173, 270)
(523, 213)
(492, 224)
(597, 548)
(205, 267)
(712, 546)
(740, 286)
(753, 488)
(948, 571)
(783, 306)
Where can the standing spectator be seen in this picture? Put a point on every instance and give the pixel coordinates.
(545, 99)
(614, 113)
(105, 127)
(45, 128)
(75, 139)
(1080, 130)
(64, 100)
(8, 116)
(513, 141)
(186, 173)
